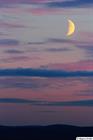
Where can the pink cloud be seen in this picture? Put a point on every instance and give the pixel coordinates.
(78, 66)
(86, 37)
(41, 11)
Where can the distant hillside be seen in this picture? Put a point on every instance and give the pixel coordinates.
(57, 132)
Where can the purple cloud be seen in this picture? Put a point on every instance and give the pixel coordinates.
(51, 3)
(57, 49)
(72, 3)
(47, 103)
(14, 59)
(12, 51)
(9, 42)
(10, 25)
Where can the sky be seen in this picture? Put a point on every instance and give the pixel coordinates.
(33, 34)
(43, 71)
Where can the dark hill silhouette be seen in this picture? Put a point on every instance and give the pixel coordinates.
(51, 132)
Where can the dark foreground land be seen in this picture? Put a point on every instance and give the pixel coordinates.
(52, 132)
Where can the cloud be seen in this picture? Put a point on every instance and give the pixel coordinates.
(21, 1)
(24, 1)
(43, 73)
(14, 58)
(24, 83)
(16, 100)
(36, 43)
(86, 37)
(88, 49)
(10, 25)
(59, 3)
(57, 49)
(58, 40)
(12, 51)
(72, 3)
(82, 42)
(86, 65)
(51, 40)
(47, 103)
(76, 42)
(50, 3)
(68, 41)
(9, 42)
(84, 93)
(72, 103)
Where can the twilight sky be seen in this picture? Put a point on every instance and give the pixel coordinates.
(43, 72)
(33, 34)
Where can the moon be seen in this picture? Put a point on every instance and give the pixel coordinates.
(71, 28)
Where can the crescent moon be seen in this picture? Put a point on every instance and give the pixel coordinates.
(71, 27)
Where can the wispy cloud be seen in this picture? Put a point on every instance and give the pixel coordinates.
(63, 3)
(47, 103)
(10, 25)
(14, 59)
(43, 73)
(72, 3)
(86, 65)
(59, 40)
(57, 49)
(50, 3)
(62, 40)
(88, 50)
(37, 43)
(84, 93)
(24, 83)
(9, 42)
(13, 51)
